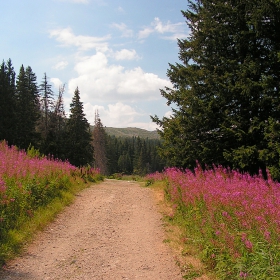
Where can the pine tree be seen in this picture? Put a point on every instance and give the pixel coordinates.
(79, 148)
(124, 163)
(133, 155)
(112, 154)
(99, 145)
(7, 102)
(27, 108)
(55, 137)
(226, 87)
(47, 106)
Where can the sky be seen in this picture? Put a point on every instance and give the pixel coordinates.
(117, 52)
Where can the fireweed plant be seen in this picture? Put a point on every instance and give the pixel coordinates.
(233, 218)
(28, 183)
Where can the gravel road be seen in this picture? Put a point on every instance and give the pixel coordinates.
(112, 231)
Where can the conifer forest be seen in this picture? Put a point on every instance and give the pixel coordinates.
(32, 115)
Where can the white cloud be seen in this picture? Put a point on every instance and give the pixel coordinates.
(57, 82)
(97, 80)
(145, 33)
(126, 32)
(175, 29)
(168, 114)
(61, 65)
(136, 81)
(125, 54)
(175, 37)
(101, 82)
(66, 37)
(146, 125)
(117, 115)
(168, 27)
(114, 115)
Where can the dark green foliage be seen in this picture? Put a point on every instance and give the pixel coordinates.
(131, 132)
(27, 109)
(226, 90)
(79, 150)
(271, 154)
(99, 145)
(47, 110)
(54, 141)
(133, 155)
(7, 102)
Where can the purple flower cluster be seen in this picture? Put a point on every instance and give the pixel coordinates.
(27, 182)
(234, 217)
(246, 201)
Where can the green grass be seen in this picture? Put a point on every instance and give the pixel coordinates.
(120, 176)
(18, 237)
(186, 250)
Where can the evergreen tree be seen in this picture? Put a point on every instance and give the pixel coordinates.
(27, 108)
(47, 107)
(79, 148)
(99, 145)
(133, 155)
(226, 87)
(7, 102)
(112, 156)
(141, 159)
(55, 138)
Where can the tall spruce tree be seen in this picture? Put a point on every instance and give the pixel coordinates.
(27, 108)
(99, 144)
(79, 148)
(112, 154)
(47, 107)
(7, 102)
(55, 137)
(226, 87)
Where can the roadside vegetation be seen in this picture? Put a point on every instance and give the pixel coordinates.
(225, 115)
(231, 219)
(33, 190)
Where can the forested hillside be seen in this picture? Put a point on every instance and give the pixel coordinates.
(131, 132)
(133, 155)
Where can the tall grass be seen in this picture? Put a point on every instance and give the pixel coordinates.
(29, 184)
(233, 218)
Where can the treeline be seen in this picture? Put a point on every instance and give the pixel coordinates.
(125, 155)
(32, 115)
(133, 155)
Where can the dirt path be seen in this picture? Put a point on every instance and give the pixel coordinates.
(112, 231)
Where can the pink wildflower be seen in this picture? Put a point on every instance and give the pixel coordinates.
(243, 274)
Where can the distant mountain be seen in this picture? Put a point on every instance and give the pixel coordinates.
(130, 132)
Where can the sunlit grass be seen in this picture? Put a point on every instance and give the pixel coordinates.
(185, 252)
